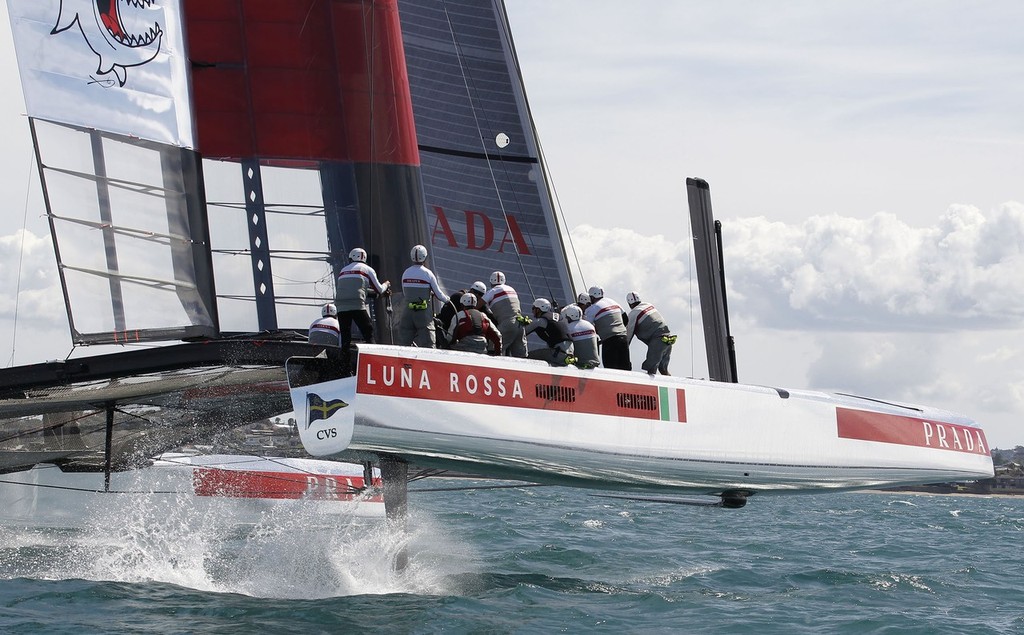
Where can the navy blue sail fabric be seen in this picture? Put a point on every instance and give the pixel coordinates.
(486, 201)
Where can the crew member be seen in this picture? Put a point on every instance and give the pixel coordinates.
(471, 330)
(416, 326)
(503, 301)
(650, 328)
(350, 291)
(583, 301)
(446, 315)
(583, 336)
(561, 312)
(607, 317)
(547, 325)
(325, 329)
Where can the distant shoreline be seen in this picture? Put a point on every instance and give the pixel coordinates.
(925, 493)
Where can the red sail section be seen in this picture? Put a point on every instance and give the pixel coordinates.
(303, 80)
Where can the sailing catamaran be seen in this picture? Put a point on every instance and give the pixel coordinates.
(255, 144)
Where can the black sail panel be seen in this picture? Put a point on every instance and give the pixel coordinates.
(487, 202)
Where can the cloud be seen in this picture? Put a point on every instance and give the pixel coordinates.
(623, 260)
(876, 364)
(28, 276)
(880, 274)
(831, 273)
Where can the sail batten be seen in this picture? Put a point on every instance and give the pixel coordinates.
(152, 282)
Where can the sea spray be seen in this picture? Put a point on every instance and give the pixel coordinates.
(298, 552)
(293, 549)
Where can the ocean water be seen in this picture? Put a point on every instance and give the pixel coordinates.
(531, 560)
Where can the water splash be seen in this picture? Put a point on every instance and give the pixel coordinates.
(284, 551)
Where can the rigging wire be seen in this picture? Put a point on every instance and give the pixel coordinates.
(470, 93)
(21, 260)
(561, 214)
(40, 430)
(546, 175)
(68, 488)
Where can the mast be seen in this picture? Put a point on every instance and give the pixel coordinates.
(707, 248)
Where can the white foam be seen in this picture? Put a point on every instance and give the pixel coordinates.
(294, 551)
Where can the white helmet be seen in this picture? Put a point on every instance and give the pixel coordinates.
(357, 255)
(596, 292)
(632, 299)
(583, 298)
(478, 288)
(572, 313)
(497, 278)
(543, 304)
(468, 300)
(418, 254)
(329, 310)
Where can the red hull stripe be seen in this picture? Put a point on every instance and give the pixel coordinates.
(462, 383)
(274, 485)
(886, 428)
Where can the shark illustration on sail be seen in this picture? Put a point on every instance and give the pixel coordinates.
(111, 29)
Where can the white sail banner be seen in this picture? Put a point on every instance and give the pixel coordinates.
(118, 66)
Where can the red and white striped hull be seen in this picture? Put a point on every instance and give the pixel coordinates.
(241, 486)
(514, 418)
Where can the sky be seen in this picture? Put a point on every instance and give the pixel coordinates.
(865, 159)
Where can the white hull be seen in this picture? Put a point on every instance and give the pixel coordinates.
(245, 487)
(623, 430)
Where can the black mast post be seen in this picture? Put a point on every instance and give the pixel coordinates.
(707, 251)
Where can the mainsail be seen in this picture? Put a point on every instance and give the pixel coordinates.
(487, 198)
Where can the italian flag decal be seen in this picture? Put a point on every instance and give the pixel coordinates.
(672, 404)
